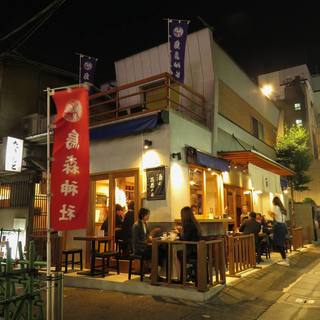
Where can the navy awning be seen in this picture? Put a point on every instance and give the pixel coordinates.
(125, 128)
(195, 156)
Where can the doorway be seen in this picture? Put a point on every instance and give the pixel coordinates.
(108, 191)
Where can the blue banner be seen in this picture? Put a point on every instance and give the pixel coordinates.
(87, 68)
(178, 31)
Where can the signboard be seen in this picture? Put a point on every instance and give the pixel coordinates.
(70, 166)
(156, 184)
(13, 149)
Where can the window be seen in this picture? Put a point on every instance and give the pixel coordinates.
(204, 194)
(299, 122)
(257, 129)
(297, 106)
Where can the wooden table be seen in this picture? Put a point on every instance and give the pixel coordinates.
(93, 240)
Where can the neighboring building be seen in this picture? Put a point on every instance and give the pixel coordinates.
(296, 93)
(210, 139)
(23, 113)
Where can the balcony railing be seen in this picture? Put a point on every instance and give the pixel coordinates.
(145, 96)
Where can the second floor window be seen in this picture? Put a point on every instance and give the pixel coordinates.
(299, 122)
(297, 106)
(257, 128)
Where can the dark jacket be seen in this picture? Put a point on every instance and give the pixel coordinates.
(127, 224)
(250, 226)
(104, 225)
(190, 233)
(139, 237)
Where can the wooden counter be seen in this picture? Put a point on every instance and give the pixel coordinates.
(213, 227)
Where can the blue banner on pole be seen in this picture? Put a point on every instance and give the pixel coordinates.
(87, 68)
(178, 31)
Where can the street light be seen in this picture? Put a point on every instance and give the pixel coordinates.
(267, 90)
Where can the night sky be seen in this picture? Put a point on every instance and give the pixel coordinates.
(260, 38)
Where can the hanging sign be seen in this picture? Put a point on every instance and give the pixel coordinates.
(70, 166)
(156, 189)
(13, 149)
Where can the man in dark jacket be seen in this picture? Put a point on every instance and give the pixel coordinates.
(252, 226)
(127, 224)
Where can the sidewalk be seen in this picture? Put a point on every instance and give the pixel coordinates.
(301, 300)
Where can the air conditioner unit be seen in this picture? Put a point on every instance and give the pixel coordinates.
(32, 124)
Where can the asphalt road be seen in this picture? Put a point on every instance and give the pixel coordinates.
(276, 292)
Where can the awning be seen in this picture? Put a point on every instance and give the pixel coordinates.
(258, 159)
(195, 156)
(124, 128)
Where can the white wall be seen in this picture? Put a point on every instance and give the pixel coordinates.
(198, 65)
(231, 74)
(184, 132)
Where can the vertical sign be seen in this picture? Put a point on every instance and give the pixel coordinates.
(70, 166)
(178, 31)
(13, 154)
(156, 183)
(87, 68)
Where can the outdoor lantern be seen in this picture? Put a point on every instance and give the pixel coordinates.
(176, 155)
(147, 144)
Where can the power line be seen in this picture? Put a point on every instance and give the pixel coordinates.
(35, 17)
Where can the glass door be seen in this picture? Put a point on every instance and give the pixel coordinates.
(102, 206)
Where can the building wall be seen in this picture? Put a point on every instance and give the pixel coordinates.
(230, 103)
(7, 216)
(22, 92)
(229, 72)
(184, 132)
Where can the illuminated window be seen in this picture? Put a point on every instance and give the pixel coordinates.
(297, 106)
(299, 122)
(204, 191)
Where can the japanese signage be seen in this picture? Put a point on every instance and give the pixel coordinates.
(13, 154)
(70, 167)
(156, 184)
(87, 68)
(178, 31)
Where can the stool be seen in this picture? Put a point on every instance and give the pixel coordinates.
(133, 257)
(72, 252)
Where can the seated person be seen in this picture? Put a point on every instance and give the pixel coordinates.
(252, 226)
(263, 223)
(141, 235)
(127, 224)
(190, 231)
(118, 222)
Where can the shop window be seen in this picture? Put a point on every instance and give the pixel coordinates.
(257, 128)
(5, 194)
(204, 192)
(297, 106)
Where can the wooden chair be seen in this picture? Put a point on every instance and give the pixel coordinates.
(133, 257)
(67, 262)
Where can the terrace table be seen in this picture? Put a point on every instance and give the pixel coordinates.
(93, 240)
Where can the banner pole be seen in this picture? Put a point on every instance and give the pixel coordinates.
(169, 69)
(80, 56)
(49, 307)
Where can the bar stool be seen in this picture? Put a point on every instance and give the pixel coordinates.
(72, 252)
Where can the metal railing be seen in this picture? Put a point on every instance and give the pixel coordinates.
(148, 95)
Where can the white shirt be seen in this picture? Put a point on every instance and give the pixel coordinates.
(278, 216)
(144, 228)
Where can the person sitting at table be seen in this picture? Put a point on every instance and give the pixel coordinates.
(141, 234)
(127, 224)
(190, 231)
(252, 226)
(118, 222)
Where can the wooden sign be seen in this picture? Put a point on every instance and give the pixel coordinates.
(156, 183)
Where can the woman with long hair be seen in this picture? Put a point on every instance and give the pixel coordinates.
(278, 212)
(191, 230)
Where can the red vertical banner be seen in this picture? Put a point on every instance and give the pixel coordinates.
(70, 166)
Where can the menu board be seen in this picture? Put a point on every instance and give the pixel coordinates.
(156, 184)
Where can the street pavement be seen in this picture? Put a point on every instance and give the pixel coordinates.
(275, 292)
